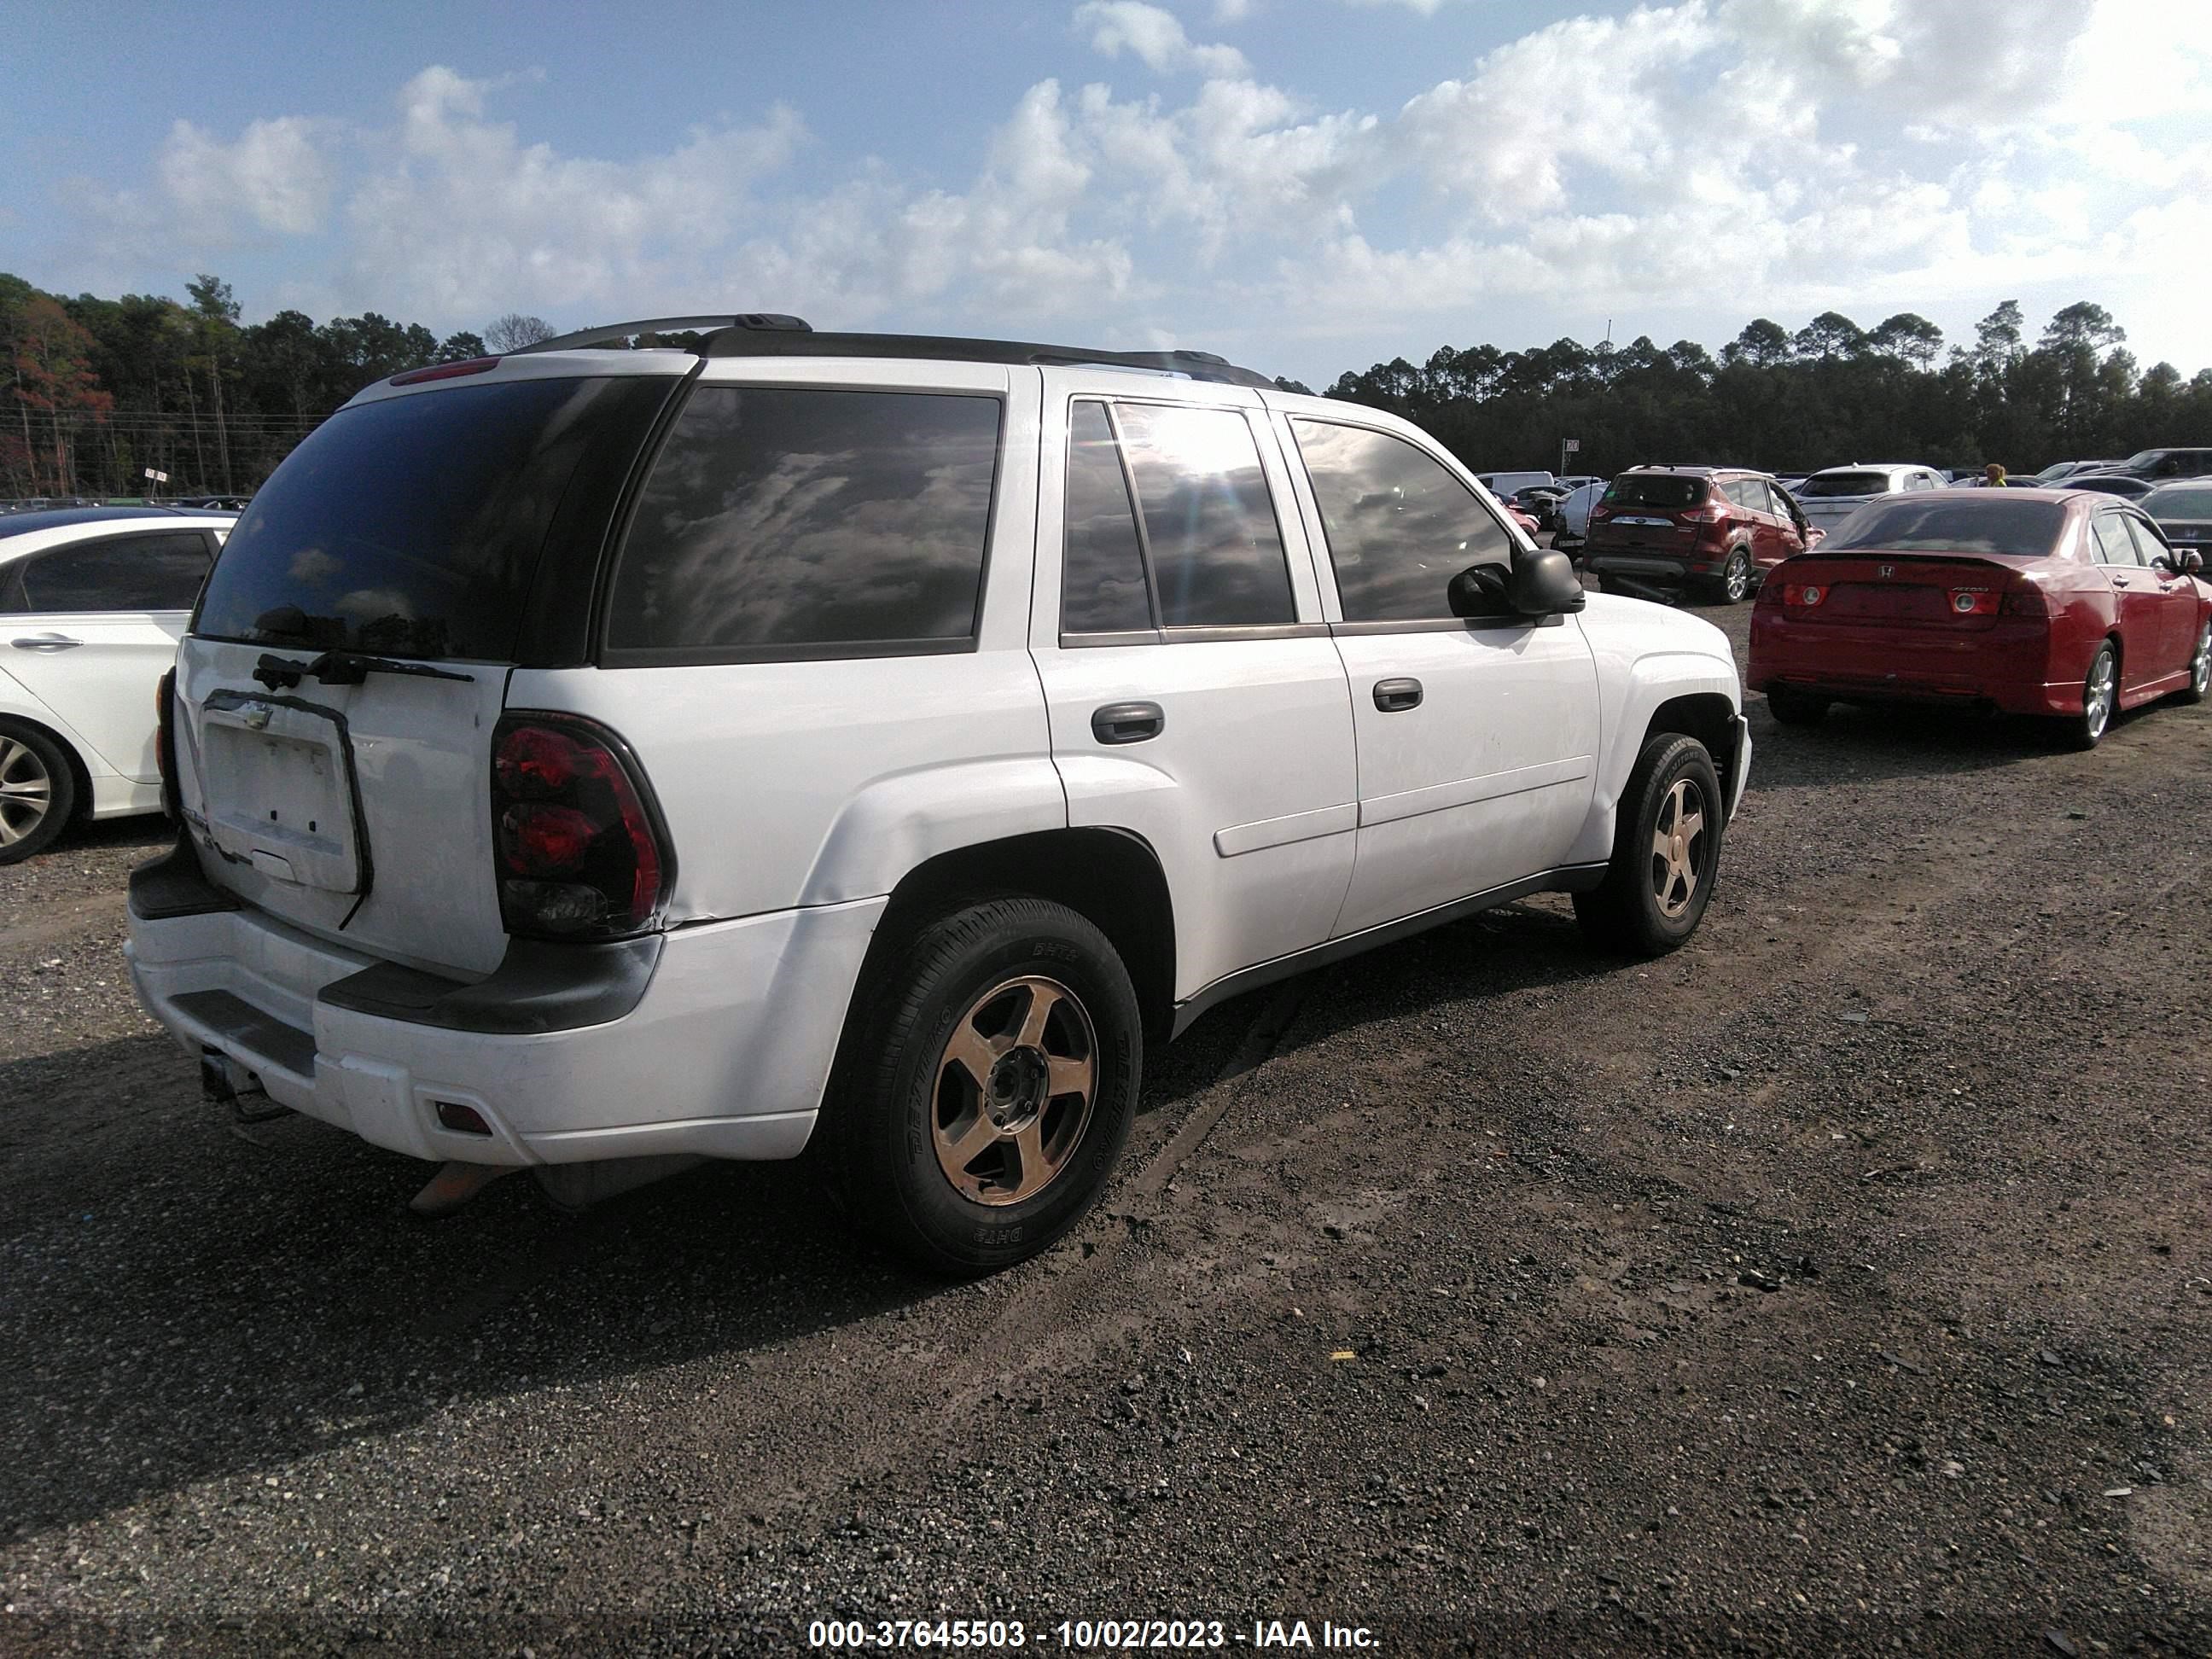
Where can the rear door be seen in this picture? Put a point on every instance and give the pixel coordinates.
(2137, 600)
(426, 540)
(91, 627)
(1194, 696)
(1475, 738)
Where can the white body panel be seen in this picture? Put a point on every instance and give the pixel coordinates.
(1828, 511)
(1486, 781)
(1284, 809)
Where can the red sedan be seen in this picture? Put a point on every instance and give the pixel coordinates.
(2053, 602)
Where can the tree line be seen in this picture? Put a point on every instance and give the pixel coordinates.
(98, 391)
(1828, 395)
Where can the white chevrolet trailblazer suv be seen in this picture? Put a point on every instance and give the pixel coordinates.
(589, 759)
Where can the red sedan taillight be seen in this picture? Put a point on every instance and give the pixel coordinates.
(2024, 599)
(1974, 602)
(580, 851)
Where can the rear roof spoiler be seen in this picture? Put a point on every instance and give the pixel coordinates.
(770, 334)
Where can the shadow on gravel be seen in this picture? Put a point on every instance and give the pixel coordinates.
(185, 1300)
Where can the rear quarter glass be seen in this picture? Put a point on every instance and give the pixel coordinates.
(416, 526)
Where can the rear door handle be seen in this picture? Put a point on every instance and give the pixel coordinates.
(48, 642)
(1392, 696)
(1127, 722)
(2118, 581)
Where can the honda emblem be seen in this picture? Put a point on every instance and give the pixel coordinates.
(1887, 570)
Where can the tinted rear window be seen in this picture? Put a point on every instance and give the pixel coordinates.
(158, 572)
(1995, 524)
(1209, 521)
(784, 521)
(1844, 483)
(1661, 490)
(413, 526)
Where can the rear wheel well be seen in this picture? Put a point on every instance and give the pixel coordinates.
(80, 813)
(1110, 878)
(1709, 718)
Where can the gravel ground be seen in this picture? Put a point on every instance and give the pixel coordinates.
(1841, 1282)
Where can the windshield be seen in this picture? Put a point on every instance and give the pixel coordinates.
(1666, 489)
(2017, 528)
(1845, 483)
(2179, 501)
(413, 526)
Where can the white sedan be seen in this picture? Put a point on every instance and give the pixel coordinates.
(92, 601)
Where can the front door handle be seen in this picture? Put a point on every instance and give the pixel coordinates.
(1392, 696)
(48, 642)
(1127, 722)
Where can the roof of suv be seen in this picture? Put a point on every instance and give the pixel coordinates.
(761, 334)
(1697, 471)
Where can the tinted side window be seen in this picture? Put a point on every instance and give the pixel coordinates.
(1101, 571)
(2113, 545)
(782, 521)
(161, 572)
(1399, 527)
(1209, 521)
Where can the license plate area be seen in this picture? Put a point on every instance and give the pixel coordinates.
(280, 793)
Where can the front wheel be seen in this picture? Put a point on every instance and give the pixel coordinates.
(1666, 852)
(2100, 692)
(987, 1091)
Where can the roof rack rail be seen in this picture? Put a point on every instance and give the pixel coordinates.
(584, 338)
(747, 341)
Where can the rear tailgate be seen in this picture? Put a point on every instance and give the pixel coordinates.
(359, 812)
(339, 687)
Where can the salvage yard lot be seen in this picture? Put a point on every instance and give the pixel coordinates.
(1844, 1278)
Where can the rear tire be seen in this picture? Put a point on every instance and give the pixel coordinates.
(1736, 578)
(37, 791)
(1651, 900)
(1791, 707)
(2100, 692)
(964, 1140)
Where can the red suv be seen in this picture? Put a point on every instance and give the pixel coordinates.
(1715, 528)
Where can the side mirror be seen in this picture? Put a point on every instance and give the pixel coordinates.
(1544, 584)
(1479, 591)
(2192, 560)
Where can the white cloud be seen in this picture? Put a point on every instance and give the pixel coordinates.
(1714, 157)
(1154, 35)
(273, 174)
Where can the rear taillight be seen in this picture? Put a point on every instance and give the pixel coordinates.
(1803, 596)
(165, 741)
(2025, 599)
(1974, 602)
(581, 850)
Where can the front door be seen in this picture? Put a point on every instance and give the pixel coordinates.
(1477, 738)
(1195, 698)
(2137, 600)
(2177, 596)
(92, 626)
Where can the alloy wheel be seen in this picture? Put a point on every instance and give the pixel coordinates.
(1015, 1089)
(27, 791)
(1736, 578)
(2200, 665)
(1676, 853)
(2096, 695)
